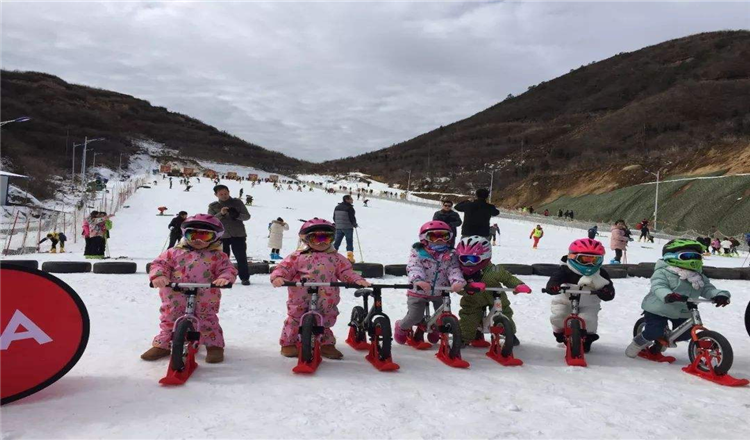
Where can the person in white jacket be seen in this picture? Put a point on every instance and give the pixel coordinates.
(276, 237)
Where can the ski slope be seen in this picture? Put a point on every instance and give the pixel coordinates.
(111, 393)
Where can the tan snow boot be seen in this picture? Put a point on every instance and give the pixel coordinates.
(350, 257)
(289, 351)
(214, 355)
(155, 353)
(330, 352)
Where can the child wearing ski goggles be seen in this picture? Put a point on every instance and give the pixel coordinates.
(319, 238)
(202, 235)
(587, 259)
(437, 236)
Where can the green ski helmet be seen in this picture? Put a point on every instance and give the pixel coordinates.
(672, 250)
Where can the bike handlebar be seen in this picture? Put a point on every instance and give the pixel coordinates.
(194, 286)
(567, 288)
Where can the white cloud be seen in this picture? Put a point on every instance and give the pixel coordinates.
(326, 80)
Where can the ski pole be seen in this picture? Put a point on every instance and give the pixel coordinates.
(359, 246)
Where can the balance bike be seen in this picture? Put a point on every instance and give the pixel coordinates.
(375, 324)
(444, 322)
(710, 353)
(502, 335)
(575, 327)
(185, 335)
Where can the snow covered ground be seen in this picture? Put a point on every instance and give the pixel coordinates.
(111, 393)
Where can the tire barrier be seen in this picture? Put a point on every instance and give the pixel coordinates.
(544, 269)
(31, 264)
(115, 267)
(747, 319)
(642, 270)
(519, 269)
(398, 270)
(257, 268)
(66, 266)
(369, 270)
(722, 273)
(745, 272)
(616, 271)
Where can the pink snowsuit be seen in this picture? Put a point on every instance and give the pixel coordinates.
(85, 227)
(321, 267)
(188, 265)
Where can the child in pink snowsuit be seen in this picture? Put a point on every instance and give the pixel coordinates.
(193, 260)
(317, 262)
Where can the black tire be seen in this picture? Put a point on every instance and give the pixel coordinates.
(747, 319)
(358, 316)
(307, 337)
(519, 269)
(642, 271)
(31, 264)
(745, 273)
(615, 271)
(510, 335)
(179, 345)
(257, 268)
(66, 266)
(385, 338)
(450, 326)
(398, 270)
(545, 270)
(575, 338)
(369, 270)
(115, 267)
(722, 273)
(639, 326)
(721, 344)
(148, 267)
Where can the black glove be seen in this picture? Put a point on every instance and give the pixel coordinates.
(233, 213)
(606, 293)
(674, 297)
(721, 301)
(553, 290)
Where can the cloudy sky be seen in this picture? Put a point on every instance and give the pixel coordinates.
(326, 80)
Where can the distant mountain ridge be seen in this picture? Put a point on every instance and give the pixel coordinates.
(683, 101)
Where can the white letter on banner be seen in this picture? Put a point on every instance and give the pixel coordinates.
(32, 331)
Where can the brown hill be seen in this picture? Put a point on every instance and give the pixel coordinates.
(684, 101)
(64, 113)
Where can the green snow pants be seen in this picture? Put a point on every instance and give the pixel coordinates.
(472, 311)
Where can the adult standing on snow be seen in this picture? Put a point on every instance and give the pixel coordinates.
(643, 226)
(449, 216)
(536, 234)
(618, 241)
(232, 213)
(345, 220)
(276, 237)
(477, 214)
(175, 228)
(593, 232)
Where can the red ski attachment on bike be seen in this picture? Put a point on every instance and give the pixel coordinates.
(308, 367)
(573, 361)
(419, 344)
(710, 375)
(357, 345)
(479, 342)
(444, 354)
(175, 377)
(656, 357)
(495, 351)
(373, 357)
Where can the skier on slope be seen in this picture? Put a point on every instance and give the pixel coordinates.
(317, 261)
(474, 255)
(536, 234)
(198, 258)
(677, 276)
(582, 267)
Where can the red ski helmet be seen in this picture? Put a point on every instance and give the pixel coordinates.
(203, 221)
(586, 246)
(316, 224)
(474, 254)
(433, 225)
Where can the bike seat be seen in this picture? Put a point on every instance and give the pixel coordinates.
(362, 292)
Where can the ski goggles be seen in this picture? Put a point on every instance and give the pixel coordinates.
(203, 235)
(469, 260)
(433, 236)
(319, 237)
(686, 256)
(587, 259)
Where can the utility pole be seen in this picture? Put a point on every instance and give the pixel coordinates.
(492, 178)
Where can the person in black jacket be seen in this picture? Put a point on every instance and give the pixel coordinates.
(573, 272)
(449, 216)
(477, 214)
(345, 220)
(175, 228)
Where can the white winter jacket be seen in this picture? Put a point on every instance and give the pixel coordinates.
(276, 235)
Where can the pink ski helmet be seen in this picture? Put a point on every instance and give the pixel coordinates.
(316, 224)
(434, 225)
(203, 221)
(474, 254)
(586, 246)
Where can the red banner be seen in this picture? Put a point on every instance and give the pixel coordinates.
(45, 329)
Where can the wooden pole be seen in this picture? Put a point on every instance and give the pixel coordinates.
(10, 236)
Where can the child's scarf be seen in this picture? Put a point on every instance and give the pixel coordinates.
(694, 278)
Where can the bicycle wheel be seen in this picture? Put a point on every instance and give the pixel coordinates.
(307, 338)
(718, 349)
(747, 319)
(382, 336)
(450, 326)
(575, 338)
(639, 326)
(357, 321)
(180, 345)
(510, 335)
